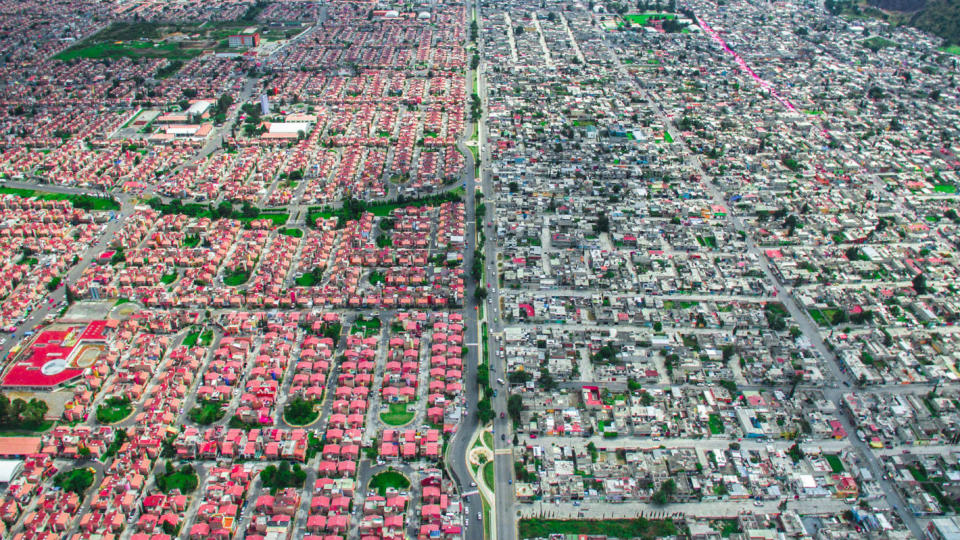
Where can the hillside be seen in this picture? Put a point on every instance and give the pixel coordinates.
(939, 17)
(907, 6)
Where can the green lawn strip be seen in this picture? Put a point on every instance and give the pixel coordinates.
(486, 516)
(294, 232)
(835, 464)
(612, 528)
(643, 18)
(486, 345)
(384, 208)
(26, 432)
(87, 202)
(389, 479)
(488, 477)
(277, 218)
(488, 439)
(397, 415)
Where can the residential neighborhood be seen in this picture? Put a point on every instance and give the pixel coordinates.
(478, 270)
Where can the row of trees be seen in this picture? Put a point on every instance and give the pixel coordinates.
(22, 414)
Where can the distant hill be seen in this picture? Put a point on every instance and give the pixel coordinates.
(908, 6)
(939, 17)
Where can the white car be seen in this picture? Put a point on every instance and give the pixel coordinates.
(479, 516)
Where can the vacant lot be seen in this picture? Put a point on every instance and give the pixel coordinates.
(618, 528)
(163, 40)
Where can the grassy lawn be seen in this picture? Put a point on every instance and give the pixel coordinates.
(80, 201)
(945, 188)
(236, 278)
(368, 327)
(206, 338)
(389, 479)
(818, 317)
(953, 49)
(77, 480)
(306, 280)
(296, 233)
(488, 439)
(667, 137)
(191, 339)
(207, 413)
(27, 432)
(397, 415)
(716, 424)
(191, 241)
(377, 277)
(643, 18)
(830, 315)
(488, 476)
(185, 479)
(113, 410)
(169, 278)
(277, 218)
(876, 43)
(301, 412)
(139, 49)
(619, 528)
(834, 462)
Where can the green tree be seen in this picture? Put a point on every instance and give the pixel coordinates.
(665, 493)
(225, 209)
(920, 283)
(514, 406)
